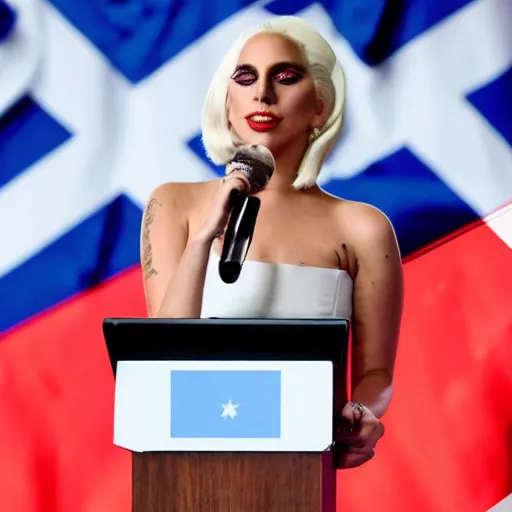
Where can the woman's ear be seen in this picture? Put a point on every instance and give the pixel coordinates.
(227, 112)
(320, 117)
(319, 106)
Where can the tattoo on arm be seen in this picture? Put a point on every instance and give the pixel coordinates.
(147, 252)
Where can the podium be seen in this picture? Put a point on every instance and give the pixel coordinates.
(228, 415)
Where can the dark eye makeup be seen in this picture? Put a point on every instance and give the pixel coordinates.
(285, 73)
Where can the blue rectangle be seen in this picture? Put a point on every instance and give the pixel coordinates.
(226, 404)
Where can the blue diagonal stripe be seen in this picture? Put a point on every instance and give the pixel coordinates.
(494, 102)
(27, 133)
(138, 37)
(421, 207)
(101, 246)
(7, 19)
(377, 28)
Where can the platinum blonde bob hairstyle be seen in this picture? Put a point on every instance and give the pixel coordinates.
(328, 77)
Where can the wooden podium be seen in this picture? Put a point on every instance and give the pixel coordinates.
(292, 471)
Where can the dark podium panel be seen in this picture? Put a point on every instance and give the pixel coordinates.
(248, 481)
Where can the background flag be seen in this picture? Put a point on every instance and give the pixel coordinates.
(100, 102)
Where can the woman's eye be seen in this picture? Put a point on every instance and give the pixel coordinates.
(244, 78)
(288, 77)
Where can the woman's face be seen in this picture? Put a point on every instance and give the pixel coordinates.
(271, 98)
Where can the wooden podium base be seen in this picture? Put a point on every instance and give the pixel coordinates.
(233, 482)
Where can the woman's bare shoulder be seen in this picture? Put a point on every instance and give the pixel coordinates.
(183, 197)
(365, 219)
(364, 223)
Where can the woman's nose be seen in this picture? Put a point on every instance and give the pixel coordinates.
(265, 92)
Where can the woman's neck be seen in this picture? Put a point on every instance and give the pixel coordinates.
(287, 164)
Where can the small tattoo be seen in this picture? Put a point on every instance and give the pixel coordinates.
(147, 251)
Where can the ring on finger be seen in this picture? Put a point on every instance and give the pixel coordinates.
(359, 407)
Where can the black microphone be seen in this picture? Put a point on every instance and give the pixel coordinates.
(257, 164)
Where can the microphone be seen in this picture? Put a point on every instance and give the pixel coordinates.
(257, 164)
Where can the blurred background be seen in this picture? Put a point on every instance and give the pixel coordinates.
(100, 102)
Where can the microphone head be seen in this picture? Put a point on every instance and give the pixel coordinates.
(256, 163)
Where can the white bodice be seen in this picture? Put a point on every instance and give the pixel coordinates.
(270, 290)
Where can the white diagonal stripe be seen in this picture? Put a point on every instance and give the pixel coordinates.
(416, 98)
(20, 54)
(504, 505)
(500, 222)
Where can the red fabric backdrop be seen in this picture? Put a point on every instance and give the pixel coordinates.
(447, 442)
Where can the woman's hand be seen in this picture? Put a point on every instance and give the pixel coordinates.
(218, 218)
(356, 435)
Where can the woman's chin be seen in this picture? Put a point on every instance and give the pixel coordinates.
(266, 139)
(276, 141)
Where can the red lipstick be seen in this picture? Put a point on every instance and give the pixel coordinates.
(262, 121)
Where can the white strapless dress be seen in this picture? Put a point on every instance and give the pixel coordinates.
(270, 290)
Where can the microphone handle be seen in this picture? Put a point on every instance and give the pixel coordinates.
(238, 237)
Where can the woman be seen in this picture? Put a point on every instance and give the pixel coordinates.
(312, 254)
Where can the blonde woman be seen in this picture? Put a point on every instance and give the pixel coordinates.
(312, 255)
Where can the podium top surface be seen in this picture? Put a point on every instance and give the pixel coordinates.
(226, 339)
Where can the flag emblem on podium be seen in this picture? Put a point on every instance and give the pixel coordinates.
(226, 404)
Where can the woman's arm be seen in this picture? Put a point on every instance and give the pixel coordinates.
(173, 266)
(183, 297)
(376, 316)
(377, 309)
(173, 259)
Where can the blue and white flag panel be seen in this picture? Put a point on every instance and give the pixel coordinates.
(100, 102)
(223, 406)
(232, 404)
